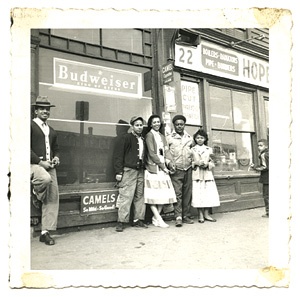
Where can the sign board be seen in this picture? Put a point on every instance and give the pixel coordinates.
(77, 76)
(170, 101)
(190, 102)
(96, 202)
(167, 73)
(223, 62)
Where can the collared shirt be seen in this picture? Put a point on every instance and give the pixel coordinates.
(45, 128)
(180, 148)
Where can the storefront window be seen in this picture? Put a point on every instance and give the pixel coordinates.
(130, 40)
(232, 126)
(86, 35)
(94, 103)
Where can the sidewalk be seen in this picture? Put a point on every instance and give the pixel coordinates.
(238, 240)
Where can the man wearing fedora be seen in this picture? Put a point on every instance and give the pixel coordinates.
(180, 143)
(44, 157)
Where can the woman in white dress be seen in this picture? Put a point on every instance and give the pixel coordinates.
(158, 188)
(205, 193)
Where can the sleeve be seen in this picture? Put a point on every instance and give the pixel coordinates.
(55, 146)
(152, 152)
(168, 155)
(264, 163)
(119, 155)
(34, 158)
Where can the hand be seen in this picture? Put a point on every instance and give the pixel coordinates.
(166, 171)
(55, 161)
(119, 177)
(46, 164)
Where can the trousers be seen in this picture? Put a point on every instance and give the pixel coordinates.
(182, 183)
(131, 194)
(266, 197)
(46, 188)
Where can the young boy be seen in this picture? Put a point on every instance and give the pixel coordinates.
(129, 168)
(263, 168)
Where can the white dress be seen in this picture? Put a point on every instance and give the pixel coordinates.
(158, 188)
(205, 193)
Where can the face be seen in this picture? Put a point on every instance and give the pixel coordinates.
(155, 124)
(200, 139)
(137, 127)
(179, 126)
(261, 146)
(42, 113)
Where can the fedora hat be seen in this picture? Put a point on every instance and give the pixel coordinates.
(42, 101)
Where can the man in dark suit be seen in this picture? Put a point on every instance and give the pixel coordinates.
(44, 159)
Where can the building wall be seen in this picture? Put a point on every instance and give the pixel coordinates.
(86, 173)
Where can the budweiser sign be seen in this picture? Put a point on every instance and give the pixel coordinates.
(96, 79)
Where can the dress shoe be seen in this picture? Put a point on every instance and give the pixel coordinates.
(210, 220)
(120, 227)
(201, 221)
(178, 222)
(139, 223)
(187, 220)
(162, 224)
(155, 222)
(47, 239)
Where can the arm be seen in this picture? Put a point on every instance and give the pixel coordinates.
(151, 150)
(264, 160)
(119, 158)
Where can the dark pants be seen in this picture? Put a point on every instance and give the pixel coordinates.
(266, 196)
(182, 183)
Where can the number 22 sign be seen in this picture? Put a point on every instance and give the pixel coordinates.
(188, 57)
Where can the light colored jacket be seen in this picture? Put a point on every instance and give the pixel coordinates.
(180, 149)
(202, 153)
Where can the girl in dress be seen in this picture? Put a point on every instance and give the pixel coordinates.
(205, 193)
(158, 188)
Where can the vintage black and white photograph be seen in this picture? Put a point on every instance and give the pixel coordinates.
(150, 154)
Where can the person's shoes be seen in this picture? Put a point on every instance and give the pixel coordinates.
(119, 227)
(178, 222)
(155, 222)
(187, 220)
(139, 223)
(47, 239)
(210, 220)
(266, 215)
(201, 221)
(162, 224)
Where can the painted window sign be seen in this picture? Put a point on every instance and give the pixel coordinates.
(95, 202)
(96, 79)
(221, 61)
(190, 102)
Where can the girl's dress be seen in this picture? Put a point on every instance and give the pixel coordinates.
(205, 193)
(158, 188)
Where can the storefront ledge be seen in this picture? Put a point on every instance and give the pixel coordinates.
(232, 174)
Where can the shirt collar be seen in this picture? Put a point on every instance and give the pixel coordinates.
(39, 121)
(137, 136)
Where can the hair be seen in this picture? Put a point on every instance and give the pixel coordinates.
(264, 141)
(154, 116)
(201, 132)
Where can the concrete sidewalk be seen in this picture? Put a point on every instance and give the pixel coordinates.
(238, 240)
